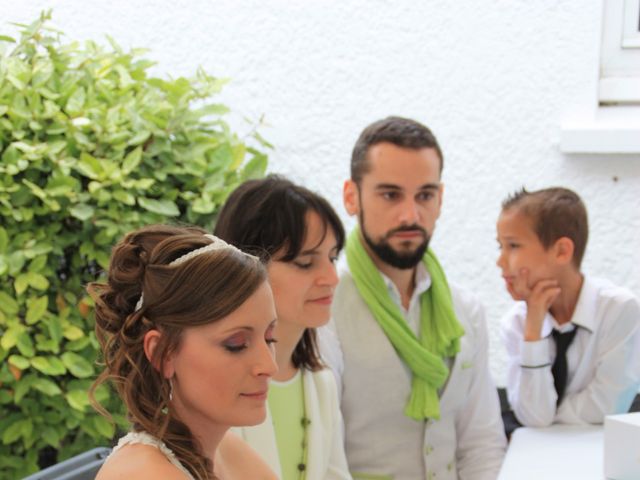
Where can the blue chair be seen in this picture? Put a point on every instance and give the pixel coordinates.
(83, 466)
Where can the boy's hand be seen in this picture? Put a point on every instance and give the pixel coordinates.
(539, 298)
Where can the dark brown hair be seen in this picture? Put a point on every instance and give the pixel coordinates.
(402, 132)
(268, 217)
(555, 213)
(199, 291)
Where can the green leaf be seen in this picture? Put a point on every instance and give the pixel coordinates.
(139, 138)
(22, 388)
(48, 365)
(76, 101)
(104, 427)
(38, 281)
(51, 437)
(38, 263)
(239, 151)
(222, 156)
(89, 166)
(19, 362)
(10, 337)
(36, 309)
(255, 168)
(131, 161)
(76, 345)
(5, 38)
(4, 240)
(21, 283)
(62, 186)
(8, 304)
(5, 397)
(71, 332)
(13, 432)
(36, 250)
(167, 208)
(263, 141)
(77, 365)
(203, 205)
(55, 328)
(213, 109)
(25, 345)
(124, 197)
(78, 399)
(82, 211)
(16, 261)
(47, 387)
(56, 366)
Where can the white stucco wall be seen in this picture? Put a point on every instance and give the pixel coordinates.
(494, 80)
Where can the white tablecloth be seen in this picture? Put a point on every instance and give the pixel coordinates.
(559, 452)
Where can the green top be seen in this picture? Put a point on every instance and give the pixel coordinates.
(286, 404)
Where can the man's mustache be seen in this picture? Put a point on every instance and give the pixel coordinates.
(407, 228)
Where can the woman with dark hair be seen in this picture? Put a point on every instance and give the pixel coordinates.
(185, 322)
(297, 234)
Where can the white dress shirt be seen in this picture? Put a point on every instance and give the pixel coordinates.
(603, 362)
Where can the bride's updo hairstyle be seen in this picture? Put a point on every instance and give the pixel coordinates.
(145, 291)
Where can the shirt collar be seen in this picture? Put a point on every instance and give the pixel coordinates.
(583, 315)
(422, 280)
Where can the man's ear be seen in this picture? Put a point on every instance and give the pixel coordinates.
(440, 194)
(150, 343)
(564, 249)
(351, 197)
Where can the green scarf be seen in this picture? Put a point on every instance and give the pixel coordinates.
(440, 330)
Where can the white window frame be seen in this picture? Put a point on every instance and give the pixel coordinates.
(607, 120)
(620, 54)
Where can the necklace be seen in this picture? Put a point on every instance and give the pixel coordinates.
(304, 423)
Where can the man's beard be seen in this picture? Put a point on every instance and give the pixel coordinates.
(386, 253)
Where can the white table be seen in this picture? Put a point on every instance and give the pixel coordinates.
(559, 452)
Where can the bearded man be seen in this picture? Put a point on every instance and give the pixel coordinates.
(409, 348)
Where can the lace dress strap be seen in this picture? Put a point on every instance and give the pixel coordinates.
(146, 439)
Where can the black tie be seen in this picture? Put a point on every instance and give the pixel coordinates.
(559, 368)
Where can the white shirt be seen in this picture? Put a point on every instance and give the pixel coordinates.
(422, 284)
(603, 362)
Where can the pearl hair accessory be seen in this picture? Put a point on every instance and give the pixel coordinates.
(216, 244)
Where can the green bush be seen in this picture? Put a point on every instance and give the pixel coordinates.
(91, 146)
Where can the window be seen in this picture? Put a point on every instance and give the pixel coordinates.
(606, 115)
(620, 54)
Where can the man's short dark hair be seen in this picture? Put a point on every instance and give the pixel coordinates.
(555, 213)
(402, 132)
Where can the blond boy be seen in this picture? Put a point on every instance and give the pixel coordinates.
(573, 341)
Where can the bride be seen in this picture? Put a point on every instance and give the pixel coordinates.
(185, 322)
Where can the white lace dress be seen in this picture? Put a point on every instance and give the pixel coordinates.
(147, 439)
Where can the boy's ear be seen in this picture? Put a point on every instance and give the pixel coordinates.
(150, 343)
(350, 197)
(564, 249)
